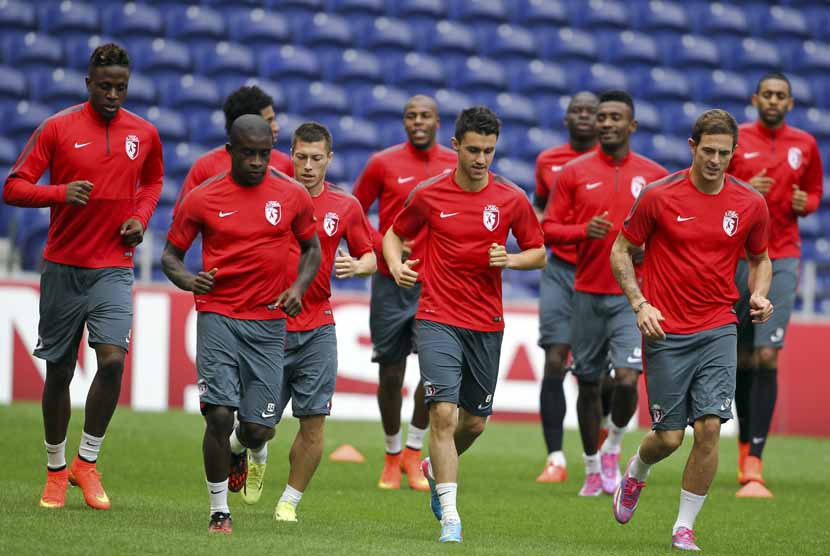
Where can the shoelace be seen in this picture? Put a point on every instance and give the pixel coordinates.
(686, 535)
(631, 489)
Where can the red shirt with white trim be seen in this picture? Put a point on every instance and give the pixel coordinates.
(389, 177)
(549, 164)
(790, 156)
(339, 216)
(247, 233)
(217, 161)
(122, 158)
(587, 187)
(460, 288)
(692, 245)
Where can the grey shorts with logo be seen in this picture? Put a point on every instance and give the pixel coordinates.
(607, 333)
(392, 319)
(459, 365)
(556, 290)
(781, 294)
(71, 296)
(239, 364)
(689, 376)
(310, 371)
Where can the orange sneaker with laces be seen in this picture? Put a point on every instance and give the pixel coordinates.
(85, 475)
(54, 493)
(390, 478)
(411, 467)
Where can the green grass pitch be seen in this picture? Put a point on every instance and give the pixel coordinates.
(151, 465)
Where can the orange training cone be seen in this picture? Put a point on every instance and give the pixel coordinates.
(347, 452)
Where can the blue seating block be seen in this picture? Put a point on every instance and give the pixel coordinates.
(68, 17)
(195, 23)
(132, 20)
(32, 50)
(225, 59)
(19, 16)
(258, 27)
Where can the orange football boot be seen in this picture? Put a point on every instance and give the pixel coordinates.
(390, 478)
(85, 475)
(411, 467)
(54, 493)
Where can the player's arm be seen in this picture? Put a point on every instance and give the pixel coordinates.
(149, 191)
(346, 266)
(172, 263)
(393, 248)
(310, 256)
(525, 227)
(622, 263)
(807, 194)
(359, 238)
(541, 193)
(760, 279)
(528, 259)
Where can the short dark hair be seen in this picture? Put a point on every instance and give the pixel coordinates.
(109, 54)
(478, 119)
(618, 95)
(311, 132)
(715, 122)
(774, 75)
(245, 100)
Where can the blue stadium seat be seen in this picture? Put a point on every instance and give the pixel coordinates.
(539, 77)
(601, 77)
(690, 51)
(161, 57)
(354, 164)
(600, 15)
(722, 86)
(479, 12)
(752, 54)
(258, 28)
(355, 134)
(188, 92)
(385, 35)
(358, 7)
(381, 104)
(811, 57)
(209, 131)
(810, 225)
(479, 75)
(678, 118)
(161, 220)
(142, 92)
(781, 21)
(320, 99)
(295, 7)
(551, 110)
(538, 139)
(514, 109)
(289, 62)
(568, 46)
(647, 116)
(58, 86)
(518, 171)
(671, 151)
(225, 59)
(326, 32)
(19, 123)
(630, 49)
(32, 50)
(802, 90)
(450, 104)
(419, 71)
(541, 14)
(509, 42)
(717, 18)
(824, 221)
(8, 155)
(171, 124)
(818, 20)
(78, 49)
(662, 83)
(17, 16)
(12, 83)
(132, 20)
(169, 191)
(195, 24)
(419, 10)
(450, 40)
(357, 67)
(393, 134)
(662, 17)
(68, 17)
(180, 158)
(817, 123)
(288, 123)
(33, 226)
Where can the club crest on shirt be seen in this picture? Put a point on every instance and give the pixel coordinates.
(637, 185)
(131, 146)
(491, 217)
(330, 222)
(273, 212)
(794, 157)
(730, 222)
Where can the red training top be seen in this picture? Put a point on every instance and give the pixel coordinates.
(338, 215)
(692, 245)
(548, 165)
(247, 233)
(219, 160)
(122, 159)
(587, 187)
(389, 176)
(790, 157)
(460, 288)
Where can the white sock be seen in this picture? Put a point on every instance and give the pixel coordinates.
(393, 443)
(55, 455)
(236, 446)
(557, 458)
(591, 463)
(260, 456)
(613, 442)
(690, 505)
(90, 446)
(447, 495)
(639, 468)
(415, 437)
(218, 497)
(291, 495)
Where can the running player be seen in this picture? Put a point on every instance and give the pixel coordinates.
(784, 165)
(389, 177)
(96, 153)
(590, 199)
(467, 214)
(694, 226)
(248, 218)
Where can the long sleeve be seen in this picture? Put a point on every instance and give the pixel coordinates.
(21, 187)
(152, 177)
(556, 214)
(813, 179)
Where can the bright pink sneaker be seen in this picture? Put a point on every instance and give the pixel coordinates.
(684, 539)
(592, 486)
(610, 465)
(627, 496)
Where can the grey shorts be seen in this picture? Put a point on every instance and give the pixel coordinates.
(782, 296)
(689, 376)
(71, 296)
(239, 363)
(556, 290)
(310, 371)
(607, 333)
(392, 320)
(459, 365)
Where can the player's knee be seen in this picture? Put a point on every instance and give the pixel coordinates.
(745, 359)
(442, 416)
(391, 380)
(671, 440)
(59, 375)
(767, 357)
(589, 389)
(311, 429)
(253, 435)
(474, 426)
(555, 361)
(219, 420)
(626, 378)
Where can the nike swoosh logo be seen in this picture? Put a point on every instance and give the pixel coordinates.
(593, 185)
(224, 214)
(634, 360)
(758, 439)
(217, 491)
(267, 415)
(448, 214)
(752, 155)
(685, 218)
(82, 145)
(555, 168)
(404, 180)
(483, 407)
(102, 497)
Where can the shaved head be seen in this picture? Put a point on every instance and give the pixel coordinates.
(421, 121)
(584, 97)
(249, 126)
(421, 100)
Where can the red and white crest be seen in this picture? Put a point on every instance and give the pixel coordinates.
(330, 223)
(273, 212)
(491, 217)
(637, 185)
(730, 222)
(794, 157)
(131, 144)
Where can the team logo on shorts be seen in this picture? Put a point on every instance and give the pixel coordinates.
(726, 405)
(429, 389)
(637, 185)
(794, 157)
(273, 212)
(491, 217)
(131, 146)
(730, 222)
(657, 413)
(330, 223)
(202, 386)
